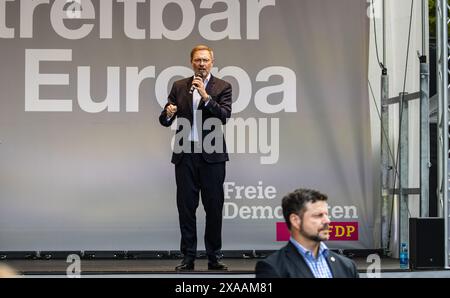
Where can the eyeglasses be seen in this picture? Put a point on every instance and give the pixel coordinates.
(200, 60)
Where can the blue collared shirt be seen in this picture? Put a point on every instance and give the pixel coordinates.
(319, 266)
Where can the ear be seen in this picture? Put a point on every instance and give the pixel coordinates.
(295, 221)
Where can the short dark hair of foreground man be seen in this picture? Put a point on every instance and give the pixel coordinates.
(305, 255)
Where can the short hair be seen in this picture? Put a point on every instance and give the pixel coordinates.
(202, 48)
(295, 202)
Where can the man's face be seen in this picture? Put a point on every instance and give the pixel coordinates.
(315, 222)
(202, 62)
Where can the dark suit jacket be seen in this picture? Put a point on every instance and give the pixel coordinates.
(219, 107)
(289, 263)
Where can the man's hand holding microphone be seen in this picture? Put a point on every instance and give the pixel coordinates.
(199, 85)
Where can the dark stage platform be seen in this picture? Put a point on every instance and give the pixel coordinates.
(102, 267)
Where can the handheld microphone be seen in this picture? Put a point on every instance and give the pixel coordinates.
(193, 87)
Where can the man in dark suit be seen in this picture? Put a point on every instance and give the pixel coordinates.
(197, 100)
(305, 255)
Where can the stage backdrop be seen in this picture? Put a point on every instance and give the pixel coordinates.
(85, 164)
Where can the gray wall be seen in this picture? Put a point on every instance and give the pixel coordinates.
(72, 177)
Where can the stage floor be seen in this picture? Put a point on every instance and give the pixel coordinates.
(164, 266)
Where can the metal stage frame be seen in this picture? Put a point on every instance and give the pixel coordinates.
(442, 21)
(394, 172)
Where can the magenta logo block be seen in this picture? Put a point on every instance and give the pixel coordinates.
(282, 232)
(339, 231)
(343, 231)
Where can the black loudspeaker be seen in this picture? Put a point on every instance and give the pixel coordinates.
(426, 238)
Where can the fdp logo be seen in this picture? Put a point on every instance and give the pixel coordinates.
(339, 231)
(343, 231)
